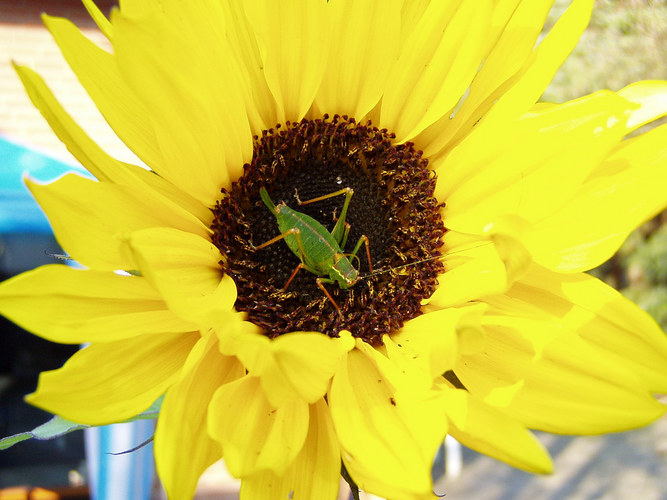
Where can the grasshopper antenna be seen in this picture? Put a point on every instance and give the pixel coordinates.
(421, 261)
(139, 446)
(58, 256)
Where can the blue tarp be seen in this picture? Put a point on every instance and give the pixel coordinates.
(19, 213)
(112, 476)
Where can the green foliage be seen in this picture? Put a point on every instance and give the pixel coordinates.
(624, 42)
(59, 426)
(647, 275)
(639, 269)
(52, 429)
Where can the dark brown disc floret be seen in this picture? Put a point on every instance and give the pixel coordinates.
(393, 205)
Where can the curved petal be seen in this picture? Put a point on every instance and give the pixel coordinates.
(297, 365)
(490, 431)
(599, 315)
(261, 437)
(626, 190)
(315, 471)
(182, 422)
(522, 90)
(476, 267)
(196, 108)
(100, 19)
(302, 365)
(260, 104)
(293, 40)
(388, 438)
(651, 96)
(157, 191)
(71, 306)
(93, 236)
(550, 379)
(98, 73)
(365, 36)
(110, 382)
(548, 154)
(436, 65)
(515, 26)
(430, 340)
(185, 269)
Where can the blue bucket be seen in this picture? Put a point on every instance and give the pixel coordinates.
(111, 477)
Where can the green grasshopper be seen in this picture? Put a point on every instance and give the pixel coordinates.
(320, 251)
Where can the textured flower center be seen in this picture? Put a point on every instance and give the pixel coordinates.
(392, 205)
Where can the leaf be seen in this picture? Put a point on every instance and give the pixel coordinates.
(152, 412)
(59, 426)
(54, 428)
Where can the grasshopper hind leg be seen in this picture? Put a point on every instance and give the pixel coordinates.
(319, 282)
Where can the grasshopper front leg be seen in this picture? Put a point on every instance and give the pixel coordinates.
(319, 282)
(363, 240)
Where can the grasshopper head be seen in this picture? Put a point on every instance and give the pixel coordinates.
(343, 272)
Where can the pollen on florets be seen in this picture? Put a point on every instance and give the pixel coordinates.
(393, 205)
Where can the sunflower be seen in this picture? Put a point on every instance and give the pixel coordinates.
(469, 312)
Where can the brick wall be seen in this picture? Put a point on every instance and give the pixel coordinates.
(24, 39)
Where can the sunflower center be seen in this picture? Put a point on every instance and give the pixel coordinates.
(392, 205)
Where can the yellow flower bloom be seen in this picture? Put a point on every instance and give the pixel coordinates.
(426, 109)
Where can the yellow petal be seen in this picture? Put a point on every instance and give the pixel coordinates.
(244, 340)
(182, 422)
(436, 65)
(490, 431)
(193, 104)
(315, 471)
(157, 192)
(505, 233)
(365, 36)
(297, 365)
(525, 88)
(98, 73)
(138, 9)
(100, 19)
(651, 95)
(548, 154)
(266, 484)
(301, 365)
(255, 435)
(93, 236)
(474, 269)
(293, 40)
(72, 306)
(110, 382)
(550, 379)
(511, 38)
(317, 468)
(201, 32)
(626, 190)
(260, 104)
(388, 438)
(185, 269)
(601, 316)
(430, 340)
